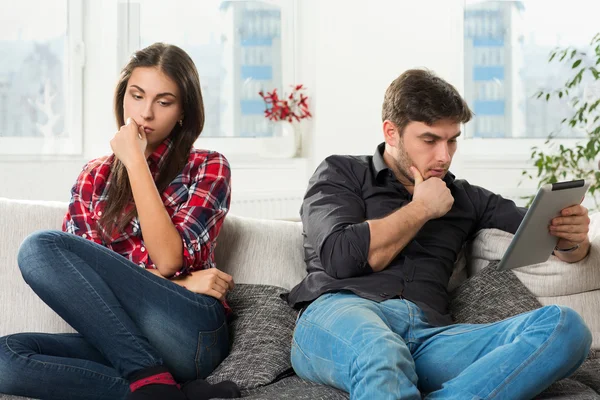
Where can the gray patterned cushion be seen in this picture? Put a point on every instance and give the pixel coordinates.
(489, 296)
(295, 388)
(261, 335)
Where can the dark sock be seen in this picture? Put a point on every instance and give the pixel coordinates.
(154, 383)
(202, 390)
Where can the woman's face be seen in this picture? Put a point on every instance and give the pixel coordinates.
(153, 101)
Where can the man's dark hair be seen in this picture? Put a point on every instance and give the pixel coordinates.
(419, 95)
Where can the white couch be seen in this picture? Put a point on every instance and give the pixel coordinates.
(270, 252)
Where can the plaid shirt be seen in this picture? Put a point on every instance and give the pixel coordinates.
(197, 201)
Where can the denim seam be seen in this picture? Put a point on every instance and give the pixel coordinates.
(411, 321)
(346, 342)
(474, 327)
(215, 339)
(530, 358)
(295, 343)
(93, 290)
(27, 359)
(410, 339)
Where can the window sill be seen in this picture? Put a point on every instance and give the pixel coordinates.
(240, 161)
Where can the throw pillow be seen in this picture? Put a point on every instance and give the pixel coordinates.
(260, 335)
(295, 388)
(491, 295)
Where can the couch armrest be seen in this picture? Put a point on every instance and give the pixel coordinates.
(551, 278)
(20, 309)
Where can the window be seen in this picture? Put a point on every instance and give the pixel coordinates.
(506, 49)
(239, 48)
(40, 78)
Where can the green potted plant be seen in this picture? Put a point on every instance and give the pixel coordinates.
(556, 163)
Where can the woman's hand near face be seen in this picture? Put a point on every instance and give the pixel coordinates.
(129, 143)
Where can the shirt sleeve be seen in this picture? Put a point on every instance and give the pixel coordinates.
(334, 219)
(79, 220)
(494, 211)
(201, 216)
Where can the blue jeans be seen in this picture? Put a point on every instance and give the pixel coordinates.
(126, 318)
(388, 351)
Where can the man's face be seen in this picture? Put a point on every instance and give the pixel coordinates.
(429, 148)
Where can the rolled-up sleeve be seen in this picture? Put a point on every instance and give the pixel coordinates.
(334, 220)
(79, 218)
(201, 216)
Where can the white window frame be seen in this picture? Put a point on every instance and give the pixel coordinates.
(17, 147)
(509, 153)
(232, 146)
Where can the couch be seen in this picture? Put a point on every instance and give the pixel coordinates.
(266, 259)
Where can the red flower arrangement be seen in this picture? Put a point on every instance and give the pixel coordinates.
(293, 107)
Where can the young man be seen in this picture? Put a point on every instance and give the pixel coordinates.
(382, 234)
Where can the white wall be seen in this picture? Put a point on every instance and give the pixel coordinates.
(360, 48)
(348, 52)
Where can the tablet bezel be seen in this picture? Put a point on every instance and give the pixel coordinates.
(533, 243)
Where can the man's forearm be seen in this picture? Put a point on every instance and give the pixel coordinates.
(389, 235)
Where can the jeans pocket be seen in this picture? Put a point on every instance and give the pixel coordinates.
(213, 347)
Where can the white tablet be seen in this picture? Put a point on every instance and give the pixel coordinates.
(532, 242)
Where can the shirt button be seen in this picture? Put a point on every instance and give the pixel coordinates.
(84, 236)
(99, 213)
(134, 229)
(143, 249)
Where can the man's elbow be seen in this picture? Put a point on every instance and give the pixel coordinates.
(377, 262)
(341, 256)
(346, 267)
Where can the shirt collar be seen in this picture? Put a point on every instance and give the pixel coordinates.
(158, 157)
(379, 165)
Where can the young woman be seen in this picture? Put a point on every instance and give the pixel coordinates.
(133, 272)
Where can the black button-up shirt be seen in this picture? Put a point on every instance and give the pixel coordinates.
(345, 192)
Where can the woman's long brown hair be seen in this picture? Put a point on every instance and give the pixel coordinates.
(178, 66)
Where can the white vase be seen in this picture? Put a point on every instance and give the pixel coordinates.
(285, 142)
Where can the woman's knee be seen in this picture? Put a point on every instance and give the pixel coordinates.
(34, 249)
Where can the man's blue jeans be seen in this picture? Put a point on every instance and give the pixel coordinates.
(126, 318)
(388, 351)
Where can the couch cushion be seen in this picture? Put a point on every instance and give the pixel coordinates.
(261, 334)
(261, 252)
(294, 388)
(489, 296)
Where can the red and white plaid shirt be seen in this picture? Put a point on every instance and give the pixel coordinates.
(197, 201)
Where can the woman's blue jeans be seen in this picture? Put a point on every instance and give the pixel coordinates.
(126, 318)
(388, 351)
